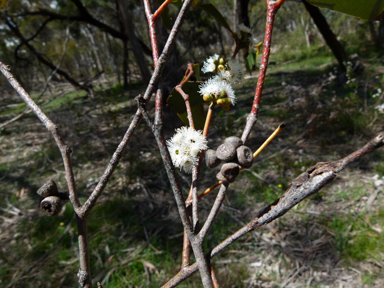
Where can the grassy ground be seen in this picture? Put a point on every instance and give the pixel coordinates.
(333, 239)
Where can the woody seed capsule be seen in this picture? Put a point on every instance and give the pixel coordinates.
(48, 189)
(211, 159)
(234, 141)
(244, 156)
(230, 171)
(51, 205)
(225, 152)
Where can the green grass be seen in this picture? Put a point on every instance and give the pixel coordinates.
(355, 239)
(65, 100)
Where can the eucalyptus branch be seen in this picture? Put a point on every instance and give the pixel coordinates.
(273, 7)
(84, 274)
(161, 9)
(305, 185)
(53, 129)
(147, 95)
(214, 210)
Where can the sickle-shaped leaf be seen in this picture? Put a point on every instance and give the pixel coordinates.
(365, 9)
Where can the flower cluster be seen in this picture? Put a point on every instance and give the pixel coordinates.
(185, 147)
(219, 87)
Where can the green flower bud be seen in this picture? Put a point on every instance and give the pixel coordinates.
(223, 94)
(220, 67)
(225, 107)
(220, 102)
(207, 97)
(227, 101)
(222, 61)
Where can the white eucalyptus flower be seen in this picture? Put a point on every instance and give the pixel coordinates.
(185, 147)
(217, 85)
(236, 70)
(210, 87)
(209, 65)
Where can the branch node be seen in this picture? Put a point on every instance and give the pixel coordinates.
(82, 275)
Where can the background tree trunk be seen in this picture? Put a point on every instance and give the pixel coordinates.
(129, 30)
(326, 32)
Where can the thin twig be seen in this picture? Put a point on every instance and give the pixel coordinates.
(161, 9)
(273, 7)
(215, 209)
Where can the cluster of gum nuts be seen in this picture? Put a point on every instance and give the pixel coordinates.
(221, 98)
(234, 153)
(53, 199)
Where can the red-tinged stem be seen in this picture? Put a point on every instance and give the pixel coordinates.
(188, 74)
(152, 31)
(155, 54)
(161, 9)
(273, 7)
(187, 105)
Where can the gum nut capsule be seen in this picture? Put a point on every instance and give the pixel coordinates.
(234, 141)
(230, 171)
(211, 159)
(225, 152)
(48, 189)
(244, 156)
(51, 205)
(220, 177)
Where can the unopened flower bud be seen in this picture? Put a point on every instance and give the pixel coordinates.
(225, 107)
(220, 67)
(220, 102)
(223, 94)
(207, 97)
(222, 61)
(227, 101)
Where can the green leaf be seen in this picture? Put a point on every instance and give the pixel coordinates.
(251, 60)
(364, 9)
(198, 117)
(177, 103)
(196, 69)
(252, 57)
